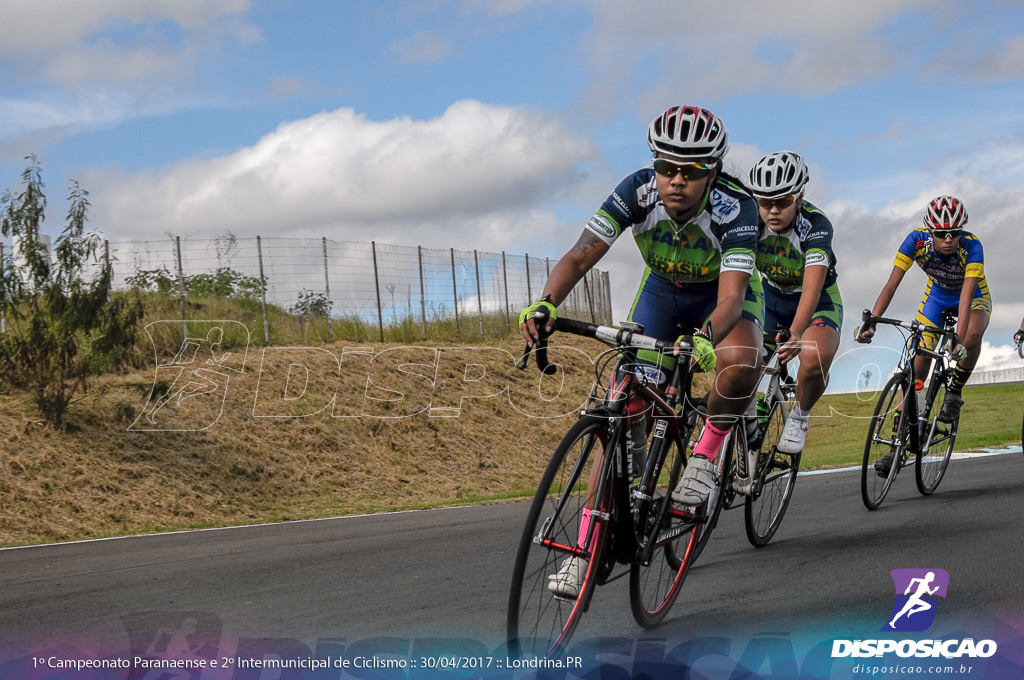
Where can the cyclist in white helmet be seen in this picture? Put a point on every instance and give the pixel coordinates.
(953, 260)
(801, 290)
(696, 229)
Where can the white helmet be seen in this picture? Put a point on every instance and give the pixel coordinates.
(689, 133)
(778, 174)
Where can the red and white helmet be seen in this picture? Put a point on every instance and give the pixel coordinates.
(945, 212)
(689, 133)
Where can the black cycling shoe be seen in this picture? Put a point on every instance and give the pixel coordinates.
(950, 407)
(884, 465)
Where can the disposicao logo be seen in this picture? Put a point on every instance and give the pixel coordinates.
(914, 611)
(916, 590)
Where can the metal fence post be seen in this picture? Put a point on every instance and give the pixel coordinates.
(504, 276)
(263, 293)
(479, 293)
(455, 293)
(529, 291)
(376, 284)
(181, 289)
(327, 289)
(423, 295)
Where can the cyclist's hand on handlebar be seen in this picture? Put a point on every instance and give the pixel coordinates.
(1018, 337)
(788, 343)
(959, 352)
(703, 355)
(866, 330)
(529, 316)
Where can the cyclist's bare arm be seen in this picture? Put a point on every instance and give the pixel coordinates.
(964, 310)
(732, 289)
(884, 298)
(572, 266)
(813, 282)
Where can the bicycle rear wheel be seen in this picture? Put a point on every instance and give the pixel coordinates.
(669, 536)
(936, 442)
(885, 435)
(774, 481)
(539, 622)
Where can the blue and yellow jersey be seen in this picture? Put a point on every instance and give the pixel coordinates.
(946, 271)
(721, 237)
(783, 257)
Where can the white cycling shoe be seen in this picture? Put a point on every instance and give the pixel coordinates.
(696, 483)
(566, 583)
(793, 435)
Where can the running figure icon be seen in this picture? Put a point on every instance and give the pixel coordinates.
(917, 593)
(916, 604)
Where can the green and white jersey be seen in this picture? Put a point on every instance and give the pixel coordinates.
(721, 237)
(782, 258)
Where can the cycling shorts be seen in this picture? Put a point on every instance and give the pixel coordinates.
(938, 300)
(780, 310)
(668, 310)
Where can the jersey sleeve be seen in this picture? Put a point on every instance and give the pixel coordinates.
(907, 251)
(974, 264)
(620, 210)
(818, 244)
(738, 215)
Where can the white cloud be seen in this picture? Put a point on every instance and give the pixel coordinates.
(128, 43)
(474, 171)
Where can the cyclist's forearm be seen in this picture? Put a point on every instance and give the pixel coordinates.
(814, 281)
(573, 266)
(732, 289)
(964, 309)
(888, 291)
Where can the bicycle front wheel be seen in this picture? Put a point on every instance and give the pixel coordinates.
(937, 441)
(541, 615)
(885, 445)
(774, 480)
(667, 545)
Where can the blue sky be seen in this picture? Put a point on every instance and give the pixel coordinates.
(501, 125)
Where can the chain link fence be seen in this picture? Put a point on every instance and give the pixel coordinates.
(380, 286)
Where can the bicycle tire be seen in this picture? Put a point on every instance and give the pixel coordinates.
(937, 441)
(539, 623)
(655, 582)
(880, 442)
(774, 481)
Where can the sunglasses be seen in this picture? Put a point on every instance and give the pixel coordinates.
(943, 234)
(689, 171)
(782, 202)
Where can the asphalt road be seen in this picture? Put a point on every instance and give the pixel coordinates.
(380, 582)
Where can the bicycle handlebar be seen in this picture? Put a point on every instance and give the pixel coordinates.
(622, 337)
(869, 320)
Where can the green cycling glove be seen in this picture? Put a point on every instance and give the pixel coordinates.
(703, 354)
(543, 304)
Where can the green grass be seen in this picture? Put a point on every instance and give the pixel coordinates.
(991, 418)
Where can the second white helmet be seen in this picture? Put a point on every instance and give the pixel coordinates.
(778, 174)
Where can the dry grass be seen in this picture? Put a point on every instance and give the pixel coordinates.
(99, 478)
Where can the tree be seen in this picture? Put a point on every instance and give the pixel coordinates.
(63, 327)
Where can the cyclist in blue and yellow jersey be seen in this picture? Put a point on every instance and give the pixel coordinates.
(801, 293)
(954, 261)
(697, 231)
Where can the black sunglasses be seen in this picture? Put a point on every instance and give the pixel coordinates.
(689, 171)
(943, 234)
